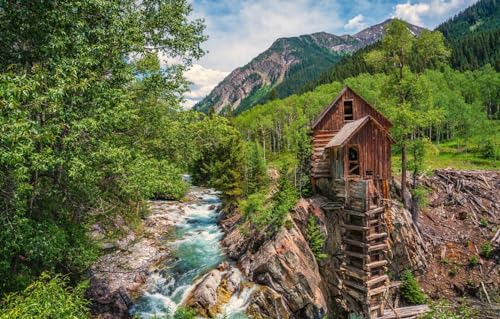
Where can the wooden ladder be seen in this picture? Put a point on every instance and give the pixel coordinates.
(364, 244)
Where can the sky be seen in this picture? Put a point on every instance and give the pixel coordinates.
(239, 30)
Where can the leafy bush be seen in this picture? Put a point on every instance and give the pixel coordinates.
(488, 150)
(46, 298)
(315, 238)
(410, 289)
(483, 222)
(270, 213)
(473, 261)
(486, 250)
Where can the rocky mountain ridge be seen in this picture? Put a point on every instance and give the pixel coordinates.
(288, 64)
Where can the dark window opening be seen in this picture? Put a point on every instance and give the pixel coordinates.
(348, 111)
(353, 155)
(369, 173)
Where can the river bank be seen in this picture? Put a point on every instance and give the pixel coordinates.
(167, 266)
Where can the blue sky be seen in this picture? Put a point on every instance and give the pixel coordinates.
(239, 30)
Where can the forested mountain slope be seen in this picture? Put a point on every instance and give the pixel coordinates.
(473, 36)
(286, 67)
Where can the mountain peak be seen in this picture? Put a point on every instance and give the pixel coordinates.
(289, 63)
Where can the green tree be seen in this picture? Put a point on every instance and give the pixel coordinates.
(80, 92)
(403, 91)
(315, 238)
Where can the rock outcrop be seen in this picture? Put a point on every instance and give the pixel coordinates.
(292, 283)
(119, 274)
(284, 267)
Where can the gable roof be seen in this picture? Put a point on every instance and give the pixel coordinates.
(350, 129)
(335, 101)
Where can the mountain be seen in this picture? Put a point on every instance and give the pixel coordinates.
(286, 67)
(474, 36)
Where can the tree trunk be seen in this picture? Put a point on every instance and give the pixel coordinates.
(403, 174)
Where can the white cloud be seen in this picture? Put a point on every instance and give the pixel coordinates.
(203, 81)
(240, 35)
(356, 23)
(431, 11)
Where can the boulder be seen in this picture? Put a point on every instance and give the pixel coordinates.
(107, 304)
(203, 298)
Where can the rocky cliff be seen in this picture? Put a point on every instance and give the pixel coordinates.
(287, 65)
(289, 281)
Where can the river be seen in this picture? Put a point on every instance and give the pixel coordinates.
(195, 249)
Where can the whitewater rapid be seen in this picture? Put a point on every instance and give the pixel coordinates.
(195, 249)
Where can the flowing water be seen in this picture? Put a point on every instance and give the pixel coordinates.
(195, 249)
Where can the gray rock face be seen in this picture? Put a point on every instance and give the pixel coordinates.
(204, 296)
(291, 285)
(273, 66)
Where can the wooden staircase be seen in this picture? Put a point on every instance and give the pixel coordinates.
(364, 244)
(320, 159)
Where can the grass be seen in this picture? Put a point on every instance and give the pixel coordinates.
(449, 155)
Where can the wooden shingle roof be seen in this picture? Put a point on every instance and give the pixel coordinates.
(350, 129)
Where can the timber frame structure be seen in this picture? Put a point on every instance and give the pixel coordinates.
(351, 165)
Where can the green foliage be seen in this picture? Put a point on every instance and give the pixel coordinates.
(473, 36)
(283, 200)
(443, 310)
(220, 161)
(483, 222)
(255, 177)
(488, 150)
(486, 250)
(89, 121)
(473, 261)
(48, 297)
(270, 213)
(184, 313)
(410, 289)
(315, 238)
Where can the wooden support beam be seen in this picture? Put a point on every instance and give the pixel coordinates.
(376, 280)
(355, 227)
(375, 211)
(355, 243)
(405, 312)
(355, 285)
(375, 264)
(356, 273)
(372, 248)
(377, 291)
(357, 255)
(355, 213)
(376, 236)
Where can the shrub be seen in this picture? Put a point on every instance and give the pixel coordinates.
(473, 260)
(486, 250)
(484, 222)
(315, 238)
(410, 289)
(48, 297)
(488, 150)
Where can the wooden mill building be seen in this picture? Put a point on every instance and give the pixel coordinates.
(351, 165)
(351, 139)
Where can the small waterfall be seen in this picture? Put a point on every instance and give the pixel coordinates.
(195, 249)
